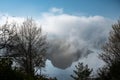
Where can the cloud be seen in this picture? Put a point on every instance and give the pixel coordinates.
(65, 24)
(56, 10)
(63, 53)
(10, 19)
(70, 37)
(73, 37)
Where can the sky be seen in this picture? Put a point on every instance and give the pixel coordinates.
(33, 8)
(76, 29)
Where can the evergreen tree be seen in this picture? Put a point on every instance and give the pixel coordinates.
(111, 55)
(82, 72)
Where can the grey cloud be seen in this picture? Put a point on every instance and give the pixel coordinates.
(62, 53)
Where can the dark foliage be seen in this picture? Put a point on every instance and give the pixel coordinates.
(6, 72)
(82, 72)
(111, 56)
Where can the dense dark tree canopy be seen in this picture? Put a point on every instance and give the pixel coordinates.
(6, 71)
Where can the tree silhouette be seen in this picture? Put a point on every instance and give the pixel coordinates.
(6, 71)
(26, 44)
(111, 50)
(82, 72)
(7, 34)
(111, 55)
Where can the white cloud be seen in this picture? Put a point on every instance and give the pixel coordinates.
(80, 29)
(56, 10)
(65, 24)
(10, 19)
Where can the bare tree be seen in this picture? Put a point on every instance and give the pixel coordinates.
(7, 34)
(29, 46)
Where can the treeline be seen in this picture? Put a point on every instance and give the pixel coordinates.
(23, 54)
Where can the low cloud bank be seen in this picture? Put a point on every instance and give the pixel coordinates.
(70, 37)
(74, 37)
